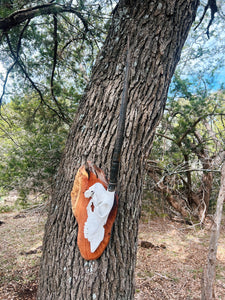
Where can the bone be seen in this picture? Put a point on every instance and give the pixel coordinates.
(102, 201)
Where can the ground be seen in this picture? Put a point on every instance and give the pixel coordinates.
(170, 258)
(172, 269)
(20, 250)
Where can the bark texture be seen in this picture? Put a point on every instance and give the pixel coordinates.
(157, 30)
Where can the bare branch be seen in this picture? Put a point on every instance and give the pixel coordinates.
(20, 37)
(166, 137)
(193, 170)
(213, 7)
(157, 170)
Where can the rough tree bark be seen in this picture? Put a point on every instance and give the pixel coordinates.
(157, 30)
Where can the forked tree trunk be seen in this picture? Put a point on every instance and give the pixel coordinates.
(157, 30)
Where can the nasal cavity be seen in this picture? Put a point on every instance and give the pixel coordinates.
(92, 207)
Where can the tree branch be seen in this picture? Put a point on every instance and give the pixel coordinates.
(189, 130)
(5, 82)
(166, 137)
(213, 7)
(22, 15)
(54, 56)
(17, 60)
(53, 69)
(182, 171)
(9, 136)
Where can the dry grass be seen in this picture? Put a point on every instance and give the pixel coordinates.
(170, 270)
(20, 251)
(174, 271)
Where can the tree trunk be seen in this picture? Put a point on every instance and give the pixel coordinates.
(157, 33)
(208, 276)
(202, 197)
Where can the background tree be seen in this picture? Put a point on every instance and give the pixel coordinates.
(190, 140)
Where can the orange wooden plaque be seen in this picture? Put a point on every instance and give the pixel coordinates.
(86, 177)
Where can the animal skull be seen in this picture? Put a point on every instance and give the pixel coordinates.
(98, 210)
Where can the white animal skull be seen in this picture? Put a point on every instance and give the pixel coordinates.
(98, 210)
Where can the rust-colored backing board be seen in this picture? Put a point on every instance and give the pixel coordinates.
(86, 176)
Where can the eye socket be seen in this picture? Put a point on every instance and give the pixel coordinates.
(92, 207)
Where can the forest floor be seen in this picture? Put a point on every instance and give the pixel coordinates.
(171, 257)
(171, 269)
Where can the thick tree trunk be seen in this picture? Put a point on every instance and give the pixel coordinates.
(157, 33)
